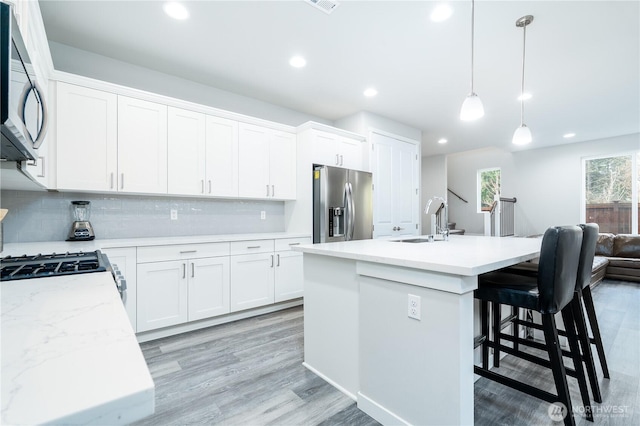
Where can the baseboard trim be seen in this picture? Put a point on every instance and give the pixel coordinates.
(331, 382)
(378, 412)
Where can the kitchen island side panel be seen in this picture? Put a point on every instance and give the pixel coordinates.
(331, 321)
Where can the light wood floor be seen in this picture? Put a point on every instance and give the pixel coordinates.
(250, 373)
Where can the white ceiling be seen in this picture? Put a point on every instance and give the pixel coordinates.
(583, 60)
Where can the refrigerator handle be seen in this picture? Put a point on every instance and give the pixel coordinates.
(352, 213)
(347, 217)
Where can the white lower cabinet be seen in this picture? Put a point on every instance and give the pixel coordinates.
(252, 280)
(208, 287)
(288, 276)
(162, 294)
(124, 259)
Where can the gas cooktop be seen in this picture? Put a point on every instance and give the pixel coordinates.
(51, 265)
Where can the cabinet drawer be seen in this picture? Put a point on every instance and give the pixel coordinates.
(181, 251)
(286, 243)
(251, 246)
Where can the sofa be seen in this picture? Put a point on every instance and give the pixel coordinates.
(617, 257)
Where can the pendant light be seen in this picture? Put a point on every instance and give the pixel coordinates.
(472, 108)
(522, 135)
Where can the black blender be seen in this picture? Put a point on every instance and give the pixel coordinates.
(81, 229)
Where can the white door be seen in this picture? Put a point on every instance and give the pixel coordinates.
(208, 287)
(186, 152)
(252, 281)
(222, 157)
(142, 146)
(282, 165)
(162, 294)
(87, 138)
(253, 154)
(289, 277)
(125, 260)
(396, 176)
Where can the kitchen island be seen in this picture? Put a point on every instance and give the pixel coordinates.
(69, 354)
(359, 336)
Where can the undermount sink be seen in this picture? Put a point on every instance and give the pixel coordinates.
(416, 240)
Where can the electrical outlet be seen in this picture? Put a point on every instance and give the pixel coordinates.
(174, 214)
(263, 215)
(413, 307)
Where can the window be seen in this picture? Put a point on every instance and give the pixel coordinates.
(611, 192)
(488, 187)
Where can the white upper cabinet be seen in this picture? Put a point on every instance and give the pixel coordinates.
(221, 157)
(86, 138)
(186, 148)
(336, 150)
(142, 146)
(267, 166)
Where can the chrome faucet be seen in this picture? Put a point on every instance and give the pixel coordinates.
(444, 230)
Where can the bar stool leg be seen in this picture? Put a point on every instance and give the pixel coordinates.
(595, 329)
(484, 325)
(572, 337)
(557, 366)
(583, 336)
(515, 312)
(496, 333)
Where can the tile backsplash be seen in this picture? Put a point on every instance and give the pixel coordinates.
(46, 216)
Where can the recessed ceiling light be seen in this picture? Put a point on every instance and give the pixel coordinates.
(297, 62)
(525, 96)
(370, 92)
(442, 141)
(176, 10)
(568, 135)
(441, 12)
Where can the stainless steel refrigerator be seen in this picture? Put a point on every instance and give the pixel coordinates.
(342, 204)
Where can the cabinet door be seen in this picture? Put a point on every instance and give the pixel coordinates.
(222, 157)
(253, 143)
(282, 165)
(288, 276)
(208, 287)
(350, 151)
(86, 138)
(186, 148)
(325, 149)
(162, 294)
(142, 146)
(125, 260)
(251, 281)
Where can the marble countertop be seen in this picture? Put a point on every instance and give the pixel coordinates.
(466, 255)
(17, 249)
(69, 354)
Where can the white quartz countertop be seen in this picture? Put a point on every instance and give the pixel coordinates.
(17, 249)
(466, 255)
(69, 354)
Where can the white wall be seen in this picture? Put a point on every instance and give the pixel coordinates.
(88, 64)
(434, 182)
(547, 182)
(362, 121)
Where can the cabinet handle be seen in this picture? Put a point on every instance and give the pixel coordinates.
(202, 186)
(209, 186)
(337, 160)
(111, 186)
(121, 180)
(267, 190)
(253, 247)
(193, 269)
(272, 261)
(43, 160)
(341, 160)
(294, 244)
(278, 258)
(273, 190)
(188, 251)
(184, 270)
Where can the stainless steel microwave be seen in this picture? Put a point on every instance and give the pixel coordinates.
(23, 109)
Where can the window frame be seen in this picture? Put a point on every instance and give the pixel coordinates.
(635, 177)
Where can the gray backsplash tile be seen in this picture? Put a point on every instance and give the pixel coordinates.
(46, 216)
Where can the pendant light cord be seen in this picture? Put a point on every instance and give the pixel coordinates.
(524, 44)
(472, 38)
